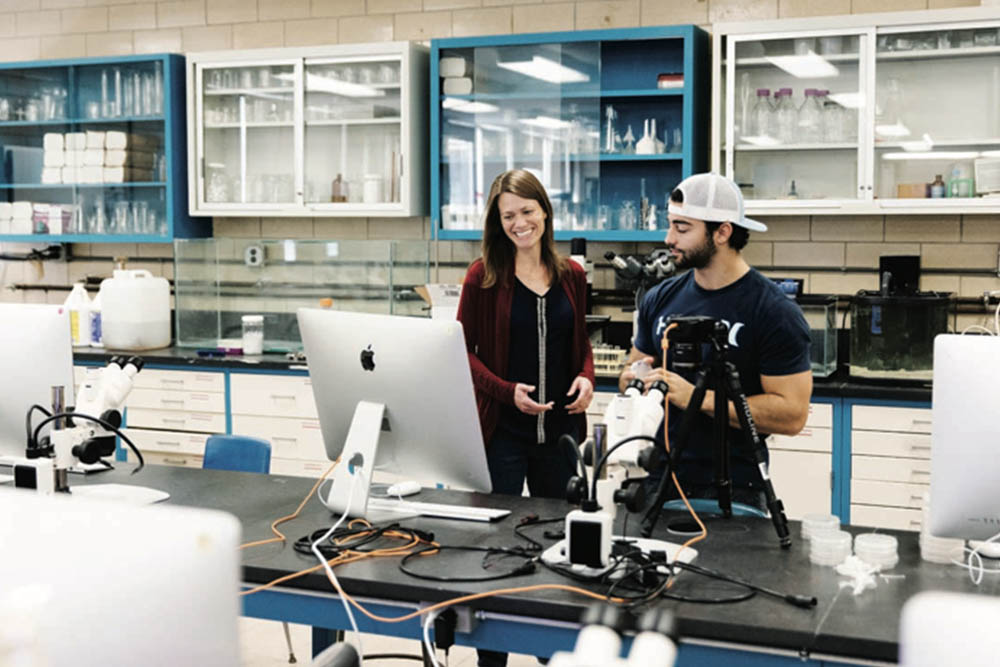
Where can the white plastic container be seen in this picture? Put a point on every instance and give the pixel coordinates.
(78, 304)
(253, 334)
(135, 311)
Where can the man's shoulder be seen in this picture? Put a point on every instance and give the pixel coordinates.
(666, 290)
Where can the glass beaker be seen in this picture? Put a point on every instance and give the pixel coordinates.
(627, 216)
(253, 334)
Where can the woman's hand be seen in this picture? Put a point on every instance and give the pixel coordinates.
(525, 403)
(586, 393)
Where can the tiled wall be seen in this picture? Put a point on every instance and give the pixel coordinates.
(832, 254)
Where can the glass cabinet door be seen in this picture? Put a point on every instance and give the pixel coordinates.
(352, 147)
(534, 106)
(248, 135)
(795, 106)
(937, 111)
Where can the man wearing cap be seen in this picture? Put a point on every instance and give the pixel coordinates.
(768, 336)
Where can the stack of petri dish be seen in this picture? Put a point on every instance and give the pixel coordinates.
(830, 548)
(938, 549)
(813, 524)
(877, 550)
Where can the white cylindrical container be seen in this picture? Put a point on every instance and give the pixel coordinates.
(78, 304)
(253, 334)
(135, 311)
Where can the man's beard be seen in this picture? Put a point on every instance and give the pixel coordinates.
(699, 257)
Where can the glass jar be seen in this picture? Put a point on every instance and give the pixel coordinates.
(253, 334)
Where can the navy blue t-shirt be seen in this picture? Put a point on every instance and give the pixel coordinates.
(768, 335)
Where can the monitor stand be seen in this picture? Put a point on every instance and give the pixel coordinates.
(352, 479)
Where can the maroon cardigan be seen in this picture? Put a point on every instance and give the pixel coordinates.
(485, 317)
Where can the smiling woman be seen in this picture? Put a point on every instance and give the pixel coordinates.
(522, 310)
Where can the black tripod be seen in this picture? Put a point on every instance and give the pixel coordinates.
(721, 376)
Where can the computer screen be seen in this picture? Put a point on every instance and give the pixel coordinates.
(965, 437)
(418, 369)
(36, 353)
(99, 583)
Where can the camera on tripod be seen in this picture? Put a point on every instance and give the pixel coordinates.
(689, 336)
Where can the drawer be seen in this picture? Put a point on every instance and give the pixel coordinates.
(892, 494)
(820, 415)
(154, 378)
(876, 418)
(172, 442)
(809, 439)
(300, 468)
(874, 443)
(884, 469)
(802, 481)
(272, 396)
(893, 518)
(170, 420)
(183, 401)
(156, 459)
(289, 438)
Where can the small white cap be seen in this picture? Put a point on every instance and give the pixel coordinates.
(713, 198)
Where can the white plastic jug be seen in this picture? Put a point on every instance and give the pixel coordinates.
(78, 304)
(135, 311)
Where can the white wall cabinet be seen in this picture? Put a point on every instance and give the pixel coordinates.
(902, 98)
(318, 131)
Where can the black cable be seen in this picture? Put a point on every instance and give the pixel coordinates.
(528, 521)
(27, 423)
(568, 441)
(525, 568)
(392, 656)
(96, 420)
(369, 535)
(797, 600)
(742, 597)
(603, 459)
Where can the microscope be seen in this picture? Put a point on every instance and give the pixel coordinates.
(599, 642)
(81, 434)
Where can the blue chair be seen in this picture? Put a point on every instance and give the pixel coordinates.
(242, 453)
(711, 506)
(239, 453)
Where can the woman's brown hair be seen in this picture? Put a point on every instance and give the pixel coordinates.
(498, 250)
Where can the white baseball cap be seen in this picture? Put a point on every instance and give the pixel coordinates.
(714, 198)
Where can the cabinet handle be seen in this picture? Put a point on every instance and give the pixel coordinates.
(920, 446)
(916, 497)
(922, 472)
(171, 381)
(287, 397)
(806, 432)
(172, 421)
(921, 421)
(291, 440)
(180, 462)
(915, 522)
(167, 443)
(178, 401)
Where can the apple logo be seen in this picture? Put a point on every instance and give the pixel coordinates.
(368, 359)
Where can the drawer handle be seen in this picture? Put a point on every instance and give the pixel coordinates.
(171, 381)
(927, 447)
(287, 397)
(167, 443)
(916, 497)
(167, 420)
(922, 472)
(292, 440)
(915, 522)
(177, 401)
(176, 461)
(921, 421)
(806, 432)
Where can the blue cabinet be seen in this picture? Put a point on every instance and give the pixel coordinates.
(94, 150)
(610, 120)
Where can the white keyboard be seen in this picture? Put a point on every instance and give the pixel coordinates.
(463, 512)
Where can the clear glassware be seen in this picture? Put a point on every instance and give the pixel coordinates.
(786, 117)
(5, 108)
(627, 216)
(810, 126)
(761, 116)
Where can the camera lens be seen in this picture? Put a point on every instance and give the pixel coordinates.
(687, 355)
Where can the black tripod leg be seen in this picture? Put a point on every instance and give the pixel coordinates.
(774, 504)
(720, 425)
(683, 431)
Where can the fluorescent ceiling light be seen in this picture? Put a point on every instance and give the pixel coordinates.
(763, 140)
(922, 145)
(289, 247)
(546, 122)
(546, 70)
(990, 154)
(849, 100)
(931, 155)
(808, 66)
(466, 106)
(323, 84)
(895, 130)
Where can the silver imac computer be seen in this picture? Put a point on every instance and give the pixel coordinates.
(36, 351)
(395, 394)
(965, 437)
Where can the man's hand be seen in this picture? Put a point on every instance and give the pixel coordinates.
(586, 393)
(525, 403)
(627, 374)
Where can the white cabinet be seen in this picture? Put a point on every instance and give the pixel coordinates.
(319, 131)
(879, 109)
(890, 465)
(801, 466)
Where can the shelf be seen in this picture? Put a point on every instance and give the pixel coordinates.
(795, 147)
(565, 234)
(592, 95)
(766, 61)
(233, 126)
(59, 186)
(591, 157)
(992, 141)
(928, 54)
(83, 238)
(356, 121)
(81, 121)
(223, 92)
